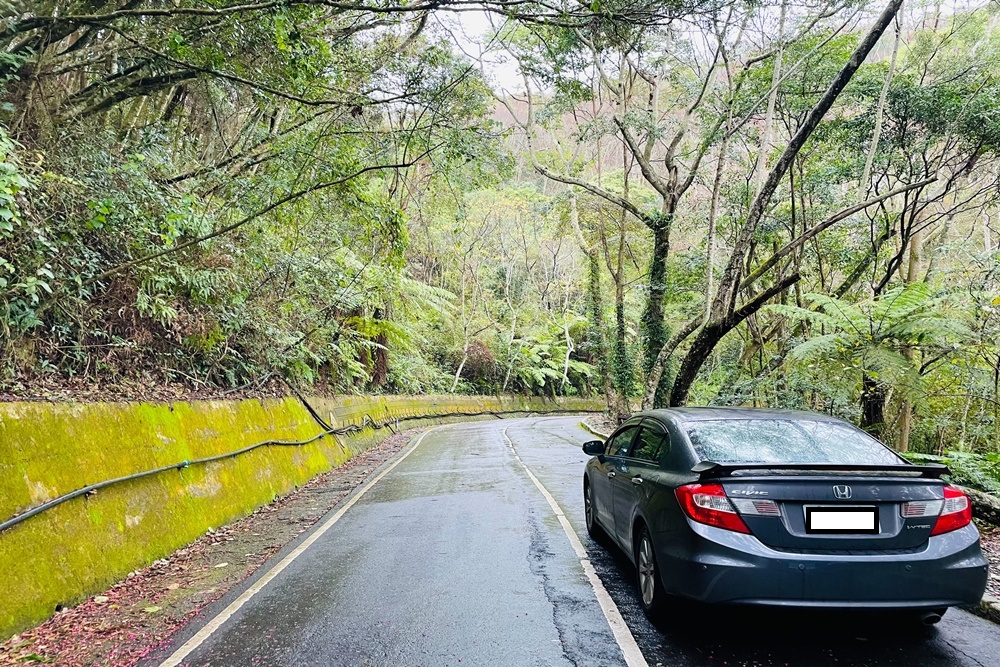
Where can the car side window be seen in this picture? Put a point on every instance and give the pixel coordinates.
(650, 444)
(619, 443)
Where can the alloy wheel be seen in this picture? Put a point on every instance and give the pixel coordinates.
(647, 571)
(588, 508)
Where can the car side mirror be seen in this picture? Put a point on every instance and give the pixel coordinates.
(593, 447)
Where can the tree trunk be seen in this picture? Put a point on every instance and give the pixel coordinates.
(569, 352)
(654, 330)
(380, 372)
(905, 425)
(624, 373)
(458, 372)
(622, 369)
(597, 346)
(772, 98)
(872, 405)
(570, 348)
(863, 187)
(906, 409)
(703, 344)
(723, 305)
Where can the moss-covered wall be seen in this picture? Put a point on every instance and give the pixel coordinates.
(63, 555)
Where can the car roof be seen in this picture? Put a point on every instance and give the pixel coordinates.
(718, 413)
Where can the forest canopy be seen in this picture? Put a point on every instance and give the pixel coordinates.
(790, 204)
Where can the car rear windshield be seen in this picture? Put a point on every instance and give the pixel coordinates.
(786, 441)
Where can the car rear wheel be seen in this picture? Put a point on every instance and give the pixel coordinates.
(651, 593)
(588, 508)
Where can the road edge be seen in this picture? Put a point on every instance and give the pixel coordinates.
(988, 608)
(619, 628)
(214, 622)
(585, 425)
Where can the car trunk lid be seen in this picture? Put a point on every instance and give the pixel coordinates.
(776, 504)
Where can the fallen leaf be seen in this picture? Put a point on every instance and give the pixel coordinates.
(222, 565)
(100, 599)
(151, 610)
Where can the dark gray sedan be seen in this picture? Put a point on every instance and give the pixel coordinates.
(728, 505)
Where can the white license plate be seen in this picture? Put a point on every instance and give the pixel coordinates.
(842, 520)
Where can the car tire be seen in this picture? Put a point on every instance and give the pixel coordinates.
(651, 594)
(593, 529)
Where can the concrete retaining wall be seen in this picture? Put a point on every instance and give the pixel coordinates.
(84, 545)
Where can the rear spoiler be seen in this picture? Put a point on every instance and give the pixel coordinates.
(713, 470)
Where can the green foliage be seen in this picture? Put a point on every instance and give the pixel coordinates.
(871, 338)
(12, 183)
(20, 293)
(977, 471)
(221, 201)
(332, 195)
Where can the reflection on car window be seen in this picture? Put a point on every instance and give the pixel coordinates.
(619, 443)
(649, 445)
(786, 441)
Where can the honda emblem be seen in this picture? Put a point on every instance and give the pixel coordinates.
(842, 492)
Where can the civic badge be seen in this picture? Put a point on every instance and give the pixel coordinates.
(842, 492)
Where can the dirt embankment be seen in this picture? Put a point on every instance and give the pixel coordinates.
(991, 547)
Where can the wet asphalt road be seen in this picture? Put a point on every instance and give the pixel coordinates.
(455, 558)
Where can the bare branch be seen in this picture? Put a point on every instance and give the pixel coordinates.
(593, 189)
(826, 224)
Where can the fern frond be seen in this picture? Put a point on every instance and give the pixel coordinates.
(826, 346)
(804, 315)
(418, 297)
(848, 317)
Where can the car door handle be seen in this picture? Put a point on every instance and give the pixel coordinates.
(637, 480)
(612, 473)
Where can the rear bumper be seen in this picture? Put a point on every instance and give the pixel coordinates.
(719, 566)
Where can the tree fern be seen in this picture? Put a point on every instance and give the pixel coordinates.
(819, 347)
(872, 337)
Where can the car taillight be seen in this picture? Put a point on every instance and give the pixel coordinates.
(755, 507)
(708, 504)
(957, 512)
(916, 509)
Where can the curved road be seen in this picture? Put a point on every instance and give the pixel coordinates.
(455, 556)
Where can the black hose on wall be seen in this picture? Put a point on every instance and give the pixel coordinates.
(368, 422)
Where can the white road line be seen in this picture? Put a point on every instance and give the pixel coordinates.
(626, 642)
(223, 616)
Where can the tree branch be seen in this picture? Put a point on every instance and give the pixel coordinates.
(600, 192)
(757, 302)
(654, 179)
(726, 295)
(829, 222)
(253, 216)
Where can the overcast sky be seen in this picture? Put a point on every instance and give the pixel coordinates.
(470, 30)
